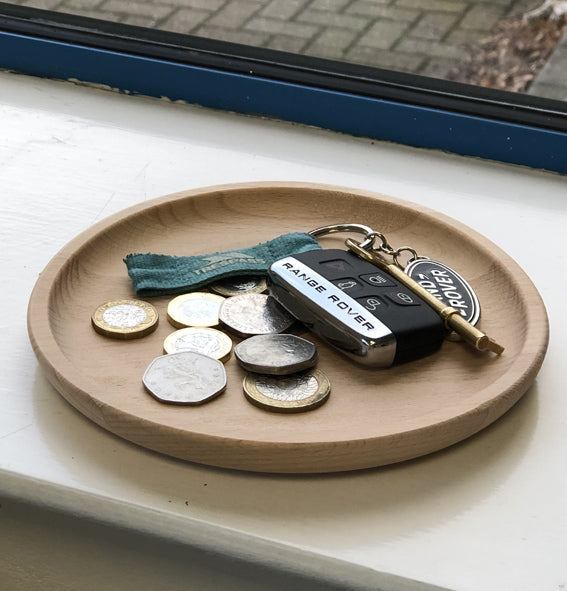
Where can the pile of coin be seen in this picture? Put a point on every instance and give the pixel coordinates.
(279, 378)
(191, 370)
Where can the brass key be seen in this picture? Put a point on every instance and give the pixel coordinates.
(451, 317)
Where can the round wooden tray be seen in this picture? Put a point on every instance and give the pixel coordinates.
(372, 418)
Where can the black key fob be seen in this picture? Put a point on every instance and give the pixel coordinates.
(358, 308)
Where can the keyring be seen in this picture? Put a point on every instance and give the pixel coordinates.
(369, 234)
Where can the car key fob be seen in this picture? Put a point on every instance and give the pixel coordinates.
(357, 307)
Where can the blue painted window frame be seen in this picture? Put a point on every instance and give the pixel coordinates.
(361, 101)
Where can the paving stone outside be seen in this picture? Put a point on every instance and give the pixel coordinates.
(185, 18)
(85, 4)
(127, 8)
(434, 25)
(292, 28)
(44, 4)
(333, 19)
(287, 43)
(459, 6)
(234, 15)
(208, 5)
(383, 12)
(283, 10)
(384, 34)
(482, 17)
(418, 36)
(332, 42)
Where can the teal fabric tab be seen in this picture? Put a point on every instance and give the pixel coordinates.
(159, 274)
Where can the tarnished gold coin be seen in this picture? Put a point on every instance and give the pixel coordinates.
(194, 309)
(125, 319)
(293, 393)
(233, 286)
(207, 341)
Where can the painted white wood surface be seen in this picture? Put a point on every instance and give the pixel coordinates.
(486, 514)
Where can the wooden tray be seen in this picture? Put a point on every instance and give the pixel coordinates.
(373, 417)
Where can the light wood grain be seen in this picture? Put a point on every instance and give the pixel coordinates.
(373, 417)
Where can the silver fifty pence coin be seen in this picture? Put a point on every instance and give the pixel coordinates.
(185, 378)
(276, 354)
(254, 313)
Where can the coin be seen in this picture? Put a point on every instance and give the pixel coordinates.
(232, 286)
(185, 378)
(294, 393)
(207, 341)
(194, 309)
(125, 319)
(254, 313)
(276, 354)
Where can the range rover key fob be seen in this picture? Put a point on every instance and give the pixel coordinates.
(358, 308)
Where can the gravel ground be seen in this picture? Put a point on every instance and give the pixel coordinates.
(512, 56)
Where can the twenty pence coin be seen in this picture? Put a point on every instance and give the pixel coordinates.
(276, 354)
(294, 393)
(185, 378)
(194, 309)
(208, 341)
(125, 319)
(254, 313)
(233, 286)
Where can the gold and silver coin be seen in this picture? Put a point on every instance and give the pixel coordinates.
(276, 354)
(207, 341)
(194, 309)
(185, 378)
(125, 319)
(294, 393)
(254, 313)
(232, 286)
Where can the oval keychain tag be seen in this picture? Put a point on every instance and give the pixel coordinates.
(446, 285)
